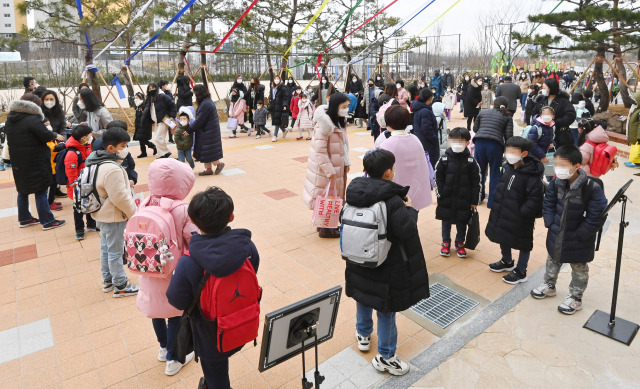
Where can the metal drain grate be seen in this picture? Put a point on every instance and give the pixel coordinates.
(444, 306)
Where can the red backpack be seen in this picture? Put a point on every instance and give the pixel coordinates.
(234, 303)
(602, 159)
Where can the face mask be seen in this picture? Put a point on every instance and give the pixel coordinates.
(183, 122)
(512, 158)
(448, 89)
(324, 81)
(546, 118)
(122, 154)
(88, 141)
(259, 107)
(81, 105)
(276, 81)
(529, 90)
(49, 104)
(582, 104)
(398, 86)
(343, 112)
(298, 92)
(563, 173)
(457, 147)
(446, 72)
(50, 128)
(153, 92)
(304, 100)
(239, 80)
(138, 102)
(466, 78)
(379, 78)
(354, 79)
(486, 88)
(370, 85)
(545, 92)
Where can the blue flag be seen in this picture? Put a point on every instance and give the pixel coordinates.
(116, 82)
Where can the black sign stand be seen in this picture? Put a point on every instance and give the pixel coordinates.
(318, 379)
(608, 324)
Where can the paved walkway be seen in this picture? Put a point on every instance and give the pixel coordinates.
(58, 329)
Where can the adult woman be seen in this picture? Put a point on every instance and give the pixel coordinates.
(329, 154)
(143, 127)
(255, 94)
(425, 125)
(157, 107)
(324, 91)
(54, 114)
(462, 90)
(97, 115)
(208, 141)
(185, 94)
(565, 113)
(590, 136)
(355, 87)
(277, 106)
(524, 83)
(79, 115)
(27, 138)
(492, 127)
(472, 100)
(379, 81)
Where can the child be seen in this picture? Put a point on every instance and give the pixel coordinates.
(260, 120)
(236, 110)
(571, 211)
(546, 127)
(221, 251)
(449, 100)
(305, 117)
(590, 136)
(517, 202)
(458, 190)
(114, 188)
(295, 107)
(487, 97)
(170, 179)
(402, 279)
(184, 141)
(129, 164)
(80, 140)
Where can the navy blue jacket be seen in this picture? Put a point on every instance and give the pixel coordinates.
(540, 144)
(219, 254)
(206, 126)
(425, 127)
(572, 225)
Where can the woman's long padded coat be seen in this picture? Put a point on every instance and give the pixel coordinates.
(143, 126)
(402, 280)
(425, 127)
(472, 98)
(564, 112)
(206, 126)
(278, 96)
(326, 157)
(516, 203)
(27, 137)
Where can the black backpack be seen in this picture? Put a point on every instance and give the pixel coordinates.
(587, 191)
(61, 175)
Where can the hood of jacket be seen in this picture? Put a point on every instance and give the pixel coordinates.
(597, 135)
(532, 166)
(25, 107)
(102, 156)
(170, 178)
(324, 121)
(563, 95)
(418, 105)
(366, 191)
(72, 142)
(230, 248)
(188, 110)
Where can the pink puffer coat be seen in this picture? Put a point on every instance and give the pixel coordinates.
(597, 135)
(326, 157)
(305, 114)
(172, 179)
(236, 110)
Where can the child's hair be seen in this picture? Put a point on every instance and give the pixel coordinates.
(587, 94)
(587, 126)
(140, 95)
(534, 88)
(33, 98)
(425, 95)
(114, 136)
(570, 153)
(211, 210)
(162, 83)
(400, 82)
(119, 124)
(548, 108)
(501, 104)
(27, 81)
(183, 114)
(80, 131)
(397, 117)
(523, 144)
(460, 133)
(378, 161)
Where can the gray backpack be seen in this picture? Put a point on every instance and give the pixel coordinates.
(363, 234)
(85, 192)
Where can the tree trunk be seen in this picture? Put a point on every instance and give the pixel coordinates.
(619, 65)
(292, 23)
(203, 57)
(599, 77)
(93, 77)
(127, 82)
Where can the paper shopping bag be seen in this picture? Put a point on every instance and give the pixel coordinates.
(326, 210)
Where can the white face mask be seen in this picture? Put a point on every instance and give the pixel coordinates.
(324, 81)
(546, 118)
(446, 72)
(49, 104)
(486, 88)
(276, 81)
(183, 122)
(239, 80)
(563, 173)
(545, 92)
(343, 112)
(466, 78)
(513, 158)
(122, 154)
(304, 100)
(81, 105)
(398, 86)
(50, 128)
(354, 79)
(457, 147)
(582, 104)
(138, 102)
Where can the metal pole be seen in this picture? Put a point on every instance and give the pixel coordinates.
(509, 59)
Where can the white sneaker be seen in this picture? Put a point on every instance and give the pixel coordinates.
(258, 136)
(542, 291)
(570, 305)
(173, 367)
(393, 365)
(162, 354)
(364, 342)
(274, 139)
(232, 136)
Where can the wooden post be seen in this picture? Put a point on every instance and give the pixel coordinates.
(208, 75)
(619, 77)
(117, 101)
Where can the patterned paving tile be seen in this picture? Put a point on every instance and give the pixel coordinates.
(17, 255)
(301, 159)
(280, 194)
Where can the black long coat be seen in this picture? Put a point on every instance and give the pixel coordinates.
(516, 202)
(58, 123)
(278, 107)
(457, 186)
(27, 137)
(143, 126)
(258, 95)
(472, 98)
(399, 282)
(185, 94)
(208, 141)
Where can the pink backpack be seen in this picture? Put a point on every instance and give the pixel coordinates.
(381, 111)
(152, 244)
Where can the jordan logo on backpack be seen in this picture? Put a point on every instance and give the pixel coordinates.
(237, 293)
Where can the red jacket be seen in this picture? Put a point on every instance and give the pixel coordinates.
(295, 110)
(71, 168)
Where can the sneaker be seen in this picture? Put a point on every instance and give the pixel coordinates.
(29, 223)
(219, 168)
(80, 235)
(202, 384)
(2, 167)
(309, 138)
(53, 224)
(7, 165)
(173, 367)
(230, 137)
(258, 136)
(393, 365)
(207, 172)
(501, 266)
(570, 305)
(249, 132)
(107, 286)
(284, 133)
(93, 229)
(462, 253)
(364, 342)
(55, 207)
(631, 164)
(274, 139)
(162, 354)
(544, 290)
(57, 203)
(445, 250)
(125, 290)
(299, 138)
(515, 277)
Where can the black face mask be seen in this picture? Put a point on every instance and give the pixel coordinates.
(153, 92)
(370, 85)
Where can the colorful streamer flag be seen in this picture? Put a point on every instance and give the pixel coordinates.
(153, 38)
(244, 14)
(139, 14)
(86, 36)
(313, 19)
(116, 82)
